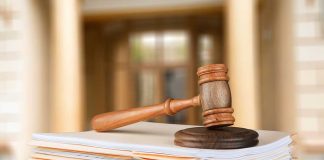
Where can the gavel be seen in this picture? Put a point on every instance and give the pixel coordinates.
(214, 98)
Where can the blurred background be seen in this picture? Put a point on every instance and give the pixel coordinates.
(64, 61)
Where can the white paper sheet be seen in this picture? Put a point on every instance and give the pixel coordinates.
(150, 137)
(279, 153)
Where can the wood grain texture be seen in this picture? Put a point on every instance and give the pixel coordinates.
(220, 138)
(112, 120)
(215, 95)
(218, 117)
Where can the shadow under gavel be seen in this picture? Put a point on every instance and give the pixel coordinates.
(214, 98)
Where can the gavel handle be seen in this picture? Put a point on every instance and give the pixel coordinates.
(111, 120)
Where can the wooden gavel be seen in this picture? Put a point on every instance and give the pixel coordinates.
(215, 99)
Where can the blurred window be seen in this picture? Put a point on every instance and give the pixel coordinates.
(144, 48)
(147, 87)
(175, 47)
(175, 86)
(160, 60)
(206, 49)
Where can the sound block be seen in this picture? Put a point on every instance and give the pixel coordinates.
(217, 138)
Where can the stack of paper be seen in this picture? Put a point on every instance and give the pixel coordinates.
(147, 140)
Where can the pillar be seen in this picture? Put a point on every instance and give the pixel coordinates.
(66, 67)
(241, 58)
(33, 53)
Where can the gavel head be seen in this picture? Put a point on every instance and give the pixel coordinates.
(215, 96)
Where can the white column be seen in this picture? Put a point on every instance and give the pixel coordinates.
(285, 68)
(34, 53)
(242, 60)
(66, 63)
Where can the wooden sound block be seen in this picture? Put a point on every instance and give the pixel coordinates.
(218, 138)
